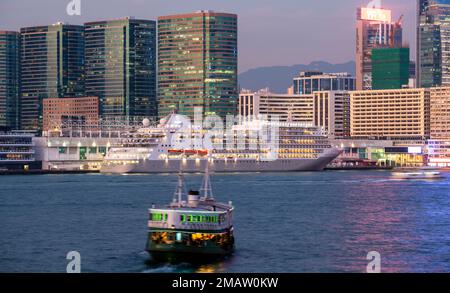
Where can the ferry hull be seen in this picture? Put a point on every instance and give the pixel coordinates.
(222, 166)
(177, 250)
(164, 250)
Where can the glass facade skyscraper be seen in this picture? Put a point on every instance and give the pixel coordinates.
(121, 66)
(52, 60)
(198, 59)
(9, 79)
(433, 43)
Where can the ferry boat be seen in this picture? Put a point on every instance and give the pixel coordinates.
(196, 226)
(152, 150)
(418, 175)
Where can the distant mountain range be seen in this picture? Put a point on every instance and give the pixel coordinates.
(279, 78)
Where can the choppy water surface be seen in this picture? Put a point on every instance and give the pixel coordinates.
(290, 222)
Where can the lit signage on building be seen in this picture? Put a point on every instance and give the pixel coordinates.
(415, 150)
(376, 14)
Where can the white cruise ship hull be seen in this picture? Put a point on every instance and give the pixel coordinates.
(222, 166)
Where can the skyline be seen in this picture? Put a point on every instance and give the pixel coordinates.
(258, 38)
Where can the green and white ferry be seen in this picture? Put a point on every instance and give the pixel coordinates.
(194, 226)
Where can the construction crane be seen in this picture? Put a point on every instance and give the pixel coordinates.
(397, 26)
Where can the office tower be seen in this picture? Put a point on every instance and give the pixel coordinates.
(390, 114)
(375, 29)
(121, 66)
(390, 68)
(9, 80)
(52, 60)
(433, 43)
(197, 55)
(309, 82)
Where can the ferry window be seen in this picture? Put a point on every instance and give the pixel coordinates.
(62, 150)
(102, 150)
(158, 217)
(83, 155)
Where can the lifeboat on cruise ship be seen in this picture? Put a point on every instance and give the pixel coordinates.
(189, 152)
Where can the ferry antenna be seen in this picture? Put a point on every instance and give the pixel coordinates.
(206, 187)
(178, 196)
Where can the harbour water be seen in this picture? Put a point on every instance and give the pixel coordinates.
(284, 222)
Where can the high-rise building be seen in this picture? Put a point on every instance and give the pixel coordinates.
(197, 57)
(433, 43)
(375, 29)
(121, 66)
(309, 82)
(390, 114)
(9, 79)
(390, 68)
(439, 144)
(440, 113)
(52, 60)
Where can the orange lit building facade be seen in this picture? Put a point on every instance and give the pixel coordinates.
(56, 111)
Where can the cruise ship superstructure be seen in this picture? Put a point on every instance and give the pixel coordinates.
(294, 147)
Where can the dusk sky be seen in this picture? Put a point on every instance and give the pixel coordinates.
(271, 32)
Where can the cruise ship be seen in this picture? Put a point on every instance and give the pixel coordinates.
(159, 149)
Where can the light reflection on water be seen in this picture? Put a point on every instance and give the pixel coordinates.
(291, 222)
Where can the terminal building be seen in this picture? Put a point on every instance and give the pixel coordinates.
(381, 152)
(17, 151)
(82, 145)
